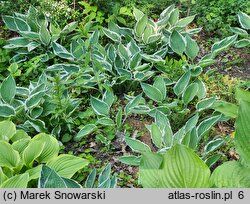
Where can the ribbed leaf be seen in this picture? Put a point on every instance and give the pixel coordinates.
(8, 156)
(130, 160)
(7, 130)
(67, 165)
(18, 181)
(182, 168)
(242, 133)
(230, 175)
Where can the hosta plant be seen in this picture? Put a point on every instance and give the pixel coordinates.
(22, 157)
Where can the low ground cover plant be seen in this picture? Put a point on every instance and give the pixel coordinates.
(86, 85)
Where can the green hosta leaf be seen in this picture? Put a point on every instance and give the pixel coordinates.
(230, 175)
(205, 104)
(213, 145)
(182, 168)
(7, 130)
(118, 118)
(239, 31)
(185, 21)
(104, 175)
(10, 23)
(228, 109)
(154, 38)
(242, 94)
(50, 179)
(112, 35)
(21, 144)
(100, 107)
(8, 89)
(32, 151)
(7, 111)
(242, 43)
(192, 48)
(130, 160)
(149, 30)
(177, 42)
(244, 20)
(69, 68)
(86, 130)
(35, 172)
(242, 133)
(18, 135)
(182, 83)
(44, 35)
(50, 149)
(137, 145)
(156, 135)
(205, 125)
(125, 53)
(149, 170)
(108, 98)
(17, 42)
(159, 83)
(141, 25)
(174, 17)
(152, 92)
(67, 165)
(8, 156)
(223, 44)
(190, 93)
(18, 181)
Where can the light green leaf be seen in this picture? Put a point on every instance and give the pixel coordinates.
(137, 14)
(156, 135)
(8, 156)
(182, 168)
(67, 165)
(18, 181)
(230, 175)
(228, 109)
(242, 43)
(242, 133)
(141, 25)
(185, 21)
(69, 28)
(7, 130)
(32, 151)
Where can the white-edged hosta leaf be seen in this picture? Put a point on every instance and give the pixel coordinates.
(244, 20)
(99, 106)
(67, 165)
(213, 145)
(69, 28)
(182, 83)
(141, 25)
(192, 48)
(159, 83)
(190, 93)
(177, 42)
(137, 14)
(86, 130)
(156, 135)
(137, 145)
(242, 43)
(44, 34)
(226, 108)
(205, 104)
(133, 103)
(223, 44)
(152, 92)
(61, 51)
(8, 89)
(185, 21)
(202, 89)
(105, 121)
(10, 22)
(191, 123)
(7, 111)
(207, 124)
(112, 35)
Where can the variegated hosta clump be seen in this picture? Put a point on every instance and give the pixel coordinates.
(180, 167)
(244, 21)
(37, 35)
(23, 159)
